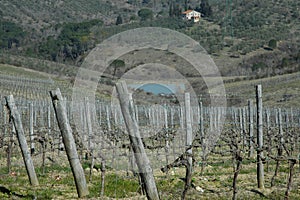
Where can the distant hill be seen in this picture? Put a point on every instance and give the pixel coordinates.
(246, 38)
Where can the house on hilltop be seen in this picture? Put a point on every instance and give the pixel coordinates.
(191, 15)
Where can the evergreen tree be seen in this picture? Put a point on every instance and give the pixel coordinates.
(205, 8)
(119, 20)
(174, 9)
(186, 4)
(145, 1)
(177, 10)
(171, 11)
(273, 43)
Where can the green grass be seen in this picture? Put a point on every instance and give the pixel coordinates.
(20, 72)
(217, 183)
(170, 187)
(116, 186)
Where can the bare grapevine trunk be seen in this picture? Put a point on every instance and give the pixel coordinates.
(103, 169)
(279, 148)
(291, 173)
(238, 159)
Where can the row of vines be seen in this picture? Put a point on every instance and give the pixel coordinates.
(268, 137)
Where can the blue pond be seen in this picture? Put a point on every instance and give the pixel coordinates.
(158, 88)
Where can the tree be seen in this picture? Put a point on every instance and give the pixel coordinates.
(205, 8)
(273, 43)
(146, 1)
(116, 64)
(185, 4)
(72, 42)
(11, 35)
(177, 10)
(119, 20)
(133, 18)
(171, 11)
(174, 10)
(145, 14)
(285, 62)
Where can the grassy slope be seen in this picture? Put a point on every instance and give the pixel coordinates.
(23, 87)
(22, 72)
(278, 91)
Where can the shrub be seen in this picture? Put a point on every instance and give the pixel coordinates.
(259, 65)
(272, 43)
(145, 14)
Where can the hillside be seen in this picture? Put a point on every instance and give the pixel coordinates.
(278, 91)
(255, 39)
(211, 151)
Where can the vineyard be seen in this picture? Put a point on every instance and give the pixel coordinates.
(79, 118)
(194, 152)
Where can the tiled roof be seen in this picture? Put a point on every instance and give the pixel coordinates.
(186, 12)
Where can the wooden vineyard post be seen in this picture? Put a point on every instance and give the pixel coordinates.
(279, 146)
(167, 148)
(141, 158)
(241, 125)
(108, 118)
(201, 123)
(137, 113)
(281, 141)
(260, 166)
(250, 117)
(50, 136)
(181, 118)
(211, 111)
(244, 126)
(69, 143)
(235, 118)
(16, 119)
(32, 146)
(9, 146)
(189, 140)
(269, 137)
(90, 136)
